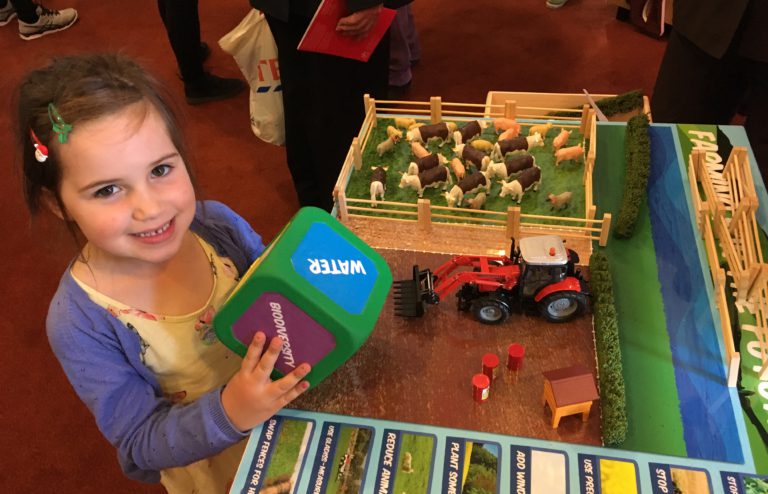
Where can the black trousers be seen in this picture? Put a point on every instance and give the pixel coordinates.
(182, 25)
(323, 101)
(694, 87)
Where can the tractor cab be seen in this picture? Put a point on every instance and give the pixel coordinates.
(543, 261)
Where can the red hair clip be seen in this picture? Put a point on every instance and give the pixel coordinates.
(41, 151)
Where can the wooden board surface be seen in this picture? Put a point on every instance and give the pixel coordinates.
(420, 370)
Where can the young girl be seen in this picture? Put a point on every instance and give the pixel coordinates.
(131, 320)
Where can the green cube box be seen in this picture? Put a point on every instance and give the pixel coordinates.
(317, 286)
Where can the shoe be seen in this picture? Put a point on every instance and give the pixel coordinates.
(555, 4)
(7, 13)
(212, 88)
(48, 22)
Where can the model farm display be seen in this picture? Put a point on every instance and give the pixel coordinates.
(493, 174)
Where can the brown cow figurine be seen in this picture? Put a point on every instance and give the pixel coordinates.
(528, 179)
(378, 184)
(425, 163)
(469, 131)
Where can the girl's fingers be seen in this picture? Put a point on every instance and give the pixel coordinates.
(267, 362)
(291, 381)
(253, 354)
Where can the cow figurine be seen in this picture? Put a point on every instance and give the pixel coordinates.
(469, 131)
(434, 177)
(472, 155)
(528, 179)
(541, 129)
(439, 131)
(501, 148)
(467, 185)
(378, 184)
(570, 153)
(561, 139)
(511, 166)
(425, 163)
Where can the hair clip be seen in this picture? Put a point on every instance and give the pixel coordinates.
(60, 127)
(41, 151)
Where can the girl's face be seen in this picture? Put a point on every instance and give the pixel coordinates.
(125, 185)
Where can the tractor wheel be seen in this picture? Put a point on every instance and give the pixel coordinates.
(562, 306)
(490, 310)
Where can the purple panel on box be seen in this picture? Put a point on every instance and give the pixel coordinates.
(304, 340)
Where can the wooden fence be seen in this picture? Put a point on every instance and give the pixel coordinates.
(417, 226)
(725, 216)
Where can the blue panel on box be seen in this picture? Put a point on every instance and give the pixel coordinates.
(335, 267)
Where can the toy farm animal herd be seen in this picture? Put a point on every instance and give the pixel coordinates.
(476, 162)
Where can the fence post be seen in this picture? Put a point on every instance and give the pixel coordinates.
(357, 154)
(425, 215)
(584, 120)
(510, 109)
(341, 199)
(370, 103)
(436, 109)
(513, 223)
(605, 229)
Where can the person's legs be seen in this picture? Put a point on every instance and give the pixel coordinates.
(693, 87)
(400, 52)
(414, 45)
(755, 108)
(182, 25)
(323, 103)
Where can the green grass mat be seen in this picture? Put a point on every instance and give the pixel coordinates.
(653, 411)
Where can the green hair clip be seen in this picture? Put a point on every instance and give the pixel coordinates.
(60, 127)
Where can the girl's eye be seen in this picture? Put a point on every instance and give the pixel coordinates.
(161, 170)
(106, 191)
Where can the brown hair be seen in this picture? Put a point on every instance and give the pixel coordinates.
(82, 88)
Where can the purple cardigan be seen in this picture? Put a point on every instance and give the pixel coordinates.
(101, 358)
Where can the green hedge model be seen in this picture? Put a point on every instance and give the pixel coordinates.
(612, 396)
(638, 166)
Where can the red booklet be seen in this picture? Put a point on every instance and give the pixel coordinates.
(321, 35)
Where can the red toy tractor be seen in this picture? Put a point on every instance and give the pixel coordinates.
(540, 275)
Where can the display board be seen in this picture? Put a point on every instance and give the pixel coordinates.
(411, 425)
(318, 453)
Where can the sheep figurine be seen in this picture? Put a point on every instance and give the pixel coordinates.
(477, 202)
(394, 133)
(386, 146)
(403, 122)
(560, 201)
(541, 129)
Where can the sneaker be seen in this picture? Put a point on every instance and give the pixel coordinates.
(49, 21)
(555, 4)
(7, 13)
(212, 88)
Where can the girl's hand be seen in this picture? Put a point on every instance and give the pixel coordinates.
(360, 22)
(251, 397)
